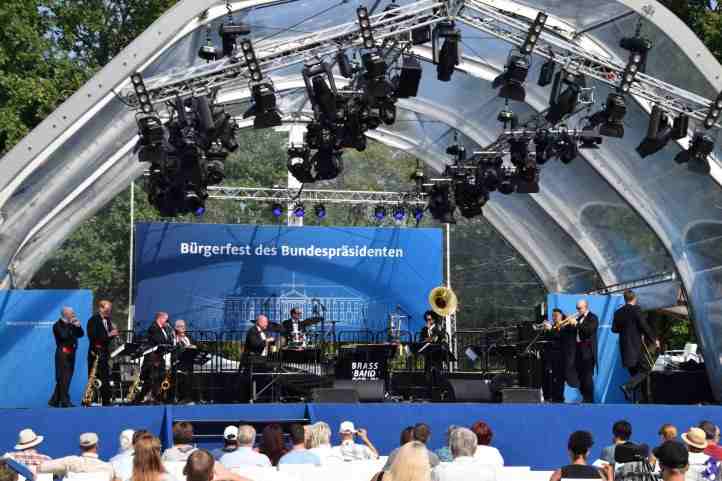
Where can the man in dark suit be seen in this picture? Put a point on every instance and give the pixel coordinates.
(257, 340)
(585, 323)
(100, 333)
(67, 331)
(630, 324)
(293, 325)
(159, 334)
(564, 361)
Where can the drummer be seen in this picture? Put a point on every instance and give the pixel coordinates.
(294, 329)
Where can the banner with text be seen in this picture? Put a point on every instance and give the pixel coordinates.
(27, 345)
(219, 277)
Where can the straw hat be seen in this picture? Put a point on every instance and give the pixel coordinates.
(28, 439)
(696, 438)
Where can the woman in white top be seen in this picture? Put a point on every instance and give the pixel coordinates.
(696, 442)
(319, 441)
(486, 454)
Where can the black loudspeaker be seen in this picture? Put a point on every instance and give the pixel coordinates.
(522, 395)
(366, 391)
(332, 395)
(470, 390)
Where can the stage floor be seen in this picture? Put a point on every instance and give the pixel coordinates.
(527, 434)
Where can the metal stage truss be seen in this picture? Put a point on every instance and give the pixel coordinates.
(282, 195)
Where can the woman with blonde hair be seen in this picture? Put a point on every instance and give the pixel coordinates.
(319, 441)
(410, 464)
(147, 465)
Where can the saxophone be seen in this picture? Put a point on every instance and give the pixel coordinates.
(134, 389)
(93, 385)
(165, 385)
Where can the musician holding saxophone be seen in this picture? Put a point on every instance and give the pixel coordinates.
(101, 333)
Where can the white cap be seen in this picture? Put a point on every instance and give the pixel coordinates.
(347, 427)
(230, 433)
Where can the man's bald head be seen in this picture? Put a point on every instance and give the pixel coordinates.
(199, 466)
(262, 321)
(582, 305)
(67, 313)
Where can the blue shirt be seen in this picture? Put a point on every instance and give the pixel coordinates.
(300, 457)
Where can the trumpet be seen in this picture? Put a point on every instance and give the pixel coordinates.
(566, 322)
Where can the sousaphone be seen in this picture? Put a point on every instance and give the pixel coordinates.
(443, 301)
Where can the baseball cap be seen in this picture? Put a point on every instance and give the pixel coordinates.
(230, 433)
(88, 439)
(672, 454)
(347, 427)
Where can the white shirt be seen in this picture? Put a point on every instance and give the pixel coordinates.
(464, 468)
(244, 456)
(327, 454)
(697, 465)
(123, 464)
(350, 451)
(580, 321)
(488, 455)
(263, 336)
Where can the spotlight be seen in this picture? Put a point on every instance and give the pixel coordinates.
(590, 141)
(714, 113)
(141, 93)
(252, 64)
(195, 202)
(215, 168)
(264, 107)
(546, 74)
(542, 142)
(610, 119)
(151, 130)
(320, 210)
(506, 183)
(566, 148)
(440, 204)
(565, 102)
(366, 30)
(469, 198)
(409, 79)
(399, 213)
(513, 78)
(277, 210)
(639, 45)
(345, 67)
(448, 55)
(519, 151)
(659, 132)
(418, 214)
(299, 211)
(229, 32)
(375, 75)
(379, 212)
(702, 145)
(532, 36)
(508, 119)
(209, 52)
(299, 164)
(630, 72)
(328, 163)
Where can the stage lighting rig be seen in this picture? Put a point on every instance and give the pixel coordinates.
(345, 67)
(364, 23)
(519, 151)
(566, 148)
(446, 55)
(507, 186)
(533, 34)
(564, 102)
(418, 213)
(700, 148)
(209, 52)
(508, 119)
(660, 132)
(440, 204)
(214, 167)
(320, 211)
(379, 213)
(610, 120)
(264, 107)
(407, 83)
(630, 72)
(513, 78)
(151, 131)
(299, 164)
(321, 90)
(638, 45)
(470, 198)
(249, 55)
(399, 213)
(542, 146)
(546, 74)
(714, 112)
(488, 173)
(377, 86)
(229, 33)
(328, 163)
(141, 93)
(277, 210)
(299, 211)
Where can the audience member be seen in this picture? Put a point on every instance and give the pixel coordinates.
(485, 452)
(621, 433)
(182, 443)
(25, 452)
(320, 442)
(298, 453)
(147, 463)
(350, 450)
(272, 444)
(407, 435)
(696, 442)
(444, 453)
(125, 441)
(711, 432)
(230, 442)
(668, 432)
(422, 434)
(673, 460)
(6, 472)
(462, 443)
(87, 462)
(123, 465)
(411, 464)
(201, 466)
(580, 442)
(244, 455)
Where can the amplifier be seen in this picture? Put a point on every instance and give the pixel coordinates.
(522, 395)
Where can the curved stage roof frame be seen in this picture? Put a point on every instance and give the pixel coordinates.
(81, 156)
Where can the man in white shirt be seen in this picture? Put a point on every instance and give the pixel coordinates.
(245, 455)
(87, 462)
(462, 443)
(349, 450)
(182, 443)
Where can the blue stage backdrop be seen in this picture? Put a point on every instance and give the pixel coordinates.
(610, 374)
(27, 346)
(220, 277)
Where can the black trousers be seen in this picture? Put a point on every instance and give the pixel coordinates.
(64, 367)
(152, 374)
(585, 372)
(103, 374)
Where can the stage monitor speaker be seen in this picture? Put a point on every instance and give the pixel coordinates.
(333, 395)
(471, 390)
(367, 391)
(522, 395)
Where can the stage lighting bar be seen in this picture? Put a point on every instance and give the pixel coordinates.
(532, 36)
(318, 196)
(279, 54)
(630, 72)
(249, 55)
(714, 113)
(141, 94)
(504, 25)
(367, 34)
